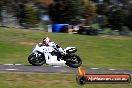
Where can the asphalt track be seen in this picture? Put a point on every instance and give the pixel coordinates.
(55, 69)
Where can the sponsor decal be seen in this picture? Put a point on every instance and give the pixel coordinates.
(83, 78)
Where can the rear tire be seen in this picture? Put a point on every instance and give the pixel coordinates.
(70, 63)
(39, 61)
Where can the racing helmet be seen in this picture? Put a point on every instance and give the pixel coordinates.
(46, 41)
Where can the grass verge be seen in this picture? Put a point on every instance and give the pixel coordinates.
(30, 80)
(95, 51)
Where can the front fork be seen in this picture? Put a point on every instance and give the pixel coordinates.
(36, 54)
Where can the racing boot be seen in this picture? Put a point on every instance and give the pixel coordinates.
(58, 56)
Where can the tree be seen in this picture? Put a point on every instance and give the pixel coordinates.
(28, 16)
(102, 9)
(2, 4)
(11, 6)
(117, 19)
(128, 20)
(90, 10)
(66, 11)
(44, 3)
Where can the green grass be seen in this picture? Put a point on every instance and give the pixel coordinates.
(95, 51)
(14, 80)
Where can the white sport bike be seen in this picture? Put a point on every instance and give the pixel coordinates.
(45, 55)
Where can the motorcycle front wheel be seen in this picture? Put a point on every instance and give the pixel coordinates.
(36, 61)
(74, 61)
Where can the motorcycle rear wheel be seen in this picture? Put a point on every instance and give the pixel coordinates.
(74, 61)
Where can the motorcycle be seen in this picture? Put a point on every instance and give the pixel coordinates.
(45, 55)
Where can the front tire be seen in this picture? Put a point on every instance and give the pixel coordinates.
(75, 61)
(36, 61)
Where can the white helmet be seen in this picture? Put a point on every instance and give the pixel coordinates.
(46, 40)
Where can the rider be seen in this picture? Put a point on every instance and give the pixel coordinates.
(57, 49)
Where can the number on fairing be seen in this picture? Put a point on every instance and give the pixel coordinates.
(48, 49)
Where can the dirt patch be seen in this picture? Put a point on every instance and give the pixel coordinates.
(116, 37)
(53, 82)
(26, 43)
